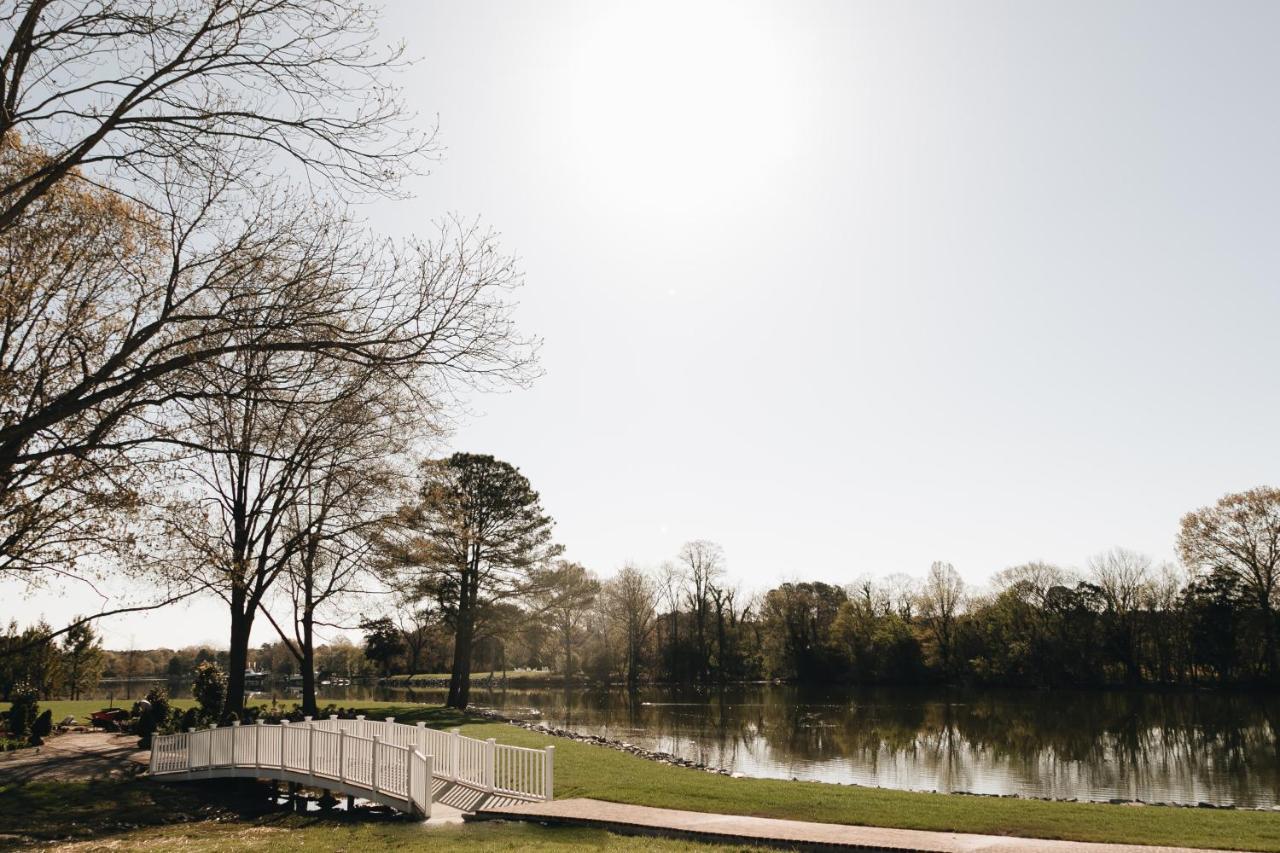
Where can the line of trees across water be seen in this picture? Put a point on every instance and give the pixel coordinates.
(1123, 620)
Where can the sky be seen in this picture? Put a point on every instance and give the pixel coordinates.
(852, 287)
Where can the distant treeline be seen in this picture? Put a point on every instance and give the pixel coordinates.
(74, 665)
(1124, 621)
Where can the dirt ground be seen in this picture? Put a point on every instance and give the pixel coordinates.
(76, 757)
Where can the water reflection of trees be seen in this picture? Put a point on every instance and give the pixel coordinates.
(1183, 747)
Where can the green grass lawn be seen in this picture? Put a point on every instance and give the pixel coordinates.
(213, 816)
(82, 708)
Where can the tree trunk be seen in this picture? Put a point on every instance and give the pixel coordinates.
(308, 665)
(460, 674)
(238, 656)
(720, 645)
(568, 658)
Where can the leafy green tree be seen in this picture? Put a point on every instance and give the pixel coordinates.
(383, 642)
(82, 658)
(155, 717)
(799, 626)
(475, 537)
(42, 727)
(568, 592)
(210, 690)
(24, 707)
(1240, 534)
(1215, 605)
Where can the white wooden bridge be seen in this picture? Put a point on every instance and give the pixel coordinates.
(384, 761)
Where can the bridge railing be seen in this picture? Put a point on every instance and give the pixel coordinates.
(387, 758)
(387, 771)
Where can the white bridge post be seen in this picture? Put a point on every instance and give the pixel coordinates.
(342, 756)
(209, 767)
(455, 754)
(191, 750)
(284, 730)
(409, 752)
(548, 769)
(311, 749)
(235, 725)
(373, 774)
(257, 743)
(491, 760)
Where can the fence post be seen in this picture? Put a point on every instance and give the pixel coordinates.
(311, 748)
(408, 777)
(491, 758)
(422, 737)
(235, 724)
(284, 731)
(191, 749)
(455, 757)
(257, 742)
(342, 756)
(431, 778)
(209, 767)
(373, 775)
(549, 771)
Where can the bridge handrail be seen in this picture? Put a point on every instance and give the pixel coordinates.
(384, 756)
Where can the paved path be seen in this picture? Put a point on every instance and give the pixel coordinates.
(786, 833)
(76, 757)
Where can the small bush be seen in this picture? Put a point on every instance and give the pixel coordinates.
(210, 690)
(42, 727)
(24, 710)
(156, 716)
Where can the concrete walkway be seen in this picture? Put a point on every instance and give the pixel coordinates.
(791, 834)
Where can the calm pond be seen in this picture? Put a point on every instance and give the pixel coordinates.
(1150, 746)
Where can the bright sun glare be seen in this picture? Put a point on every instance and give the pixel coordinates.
(694, 103)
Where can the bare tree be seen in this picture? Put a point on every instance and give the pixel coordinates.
(1240, 534)
(703, 565)
(632, 598)
(671, 589)
(93, 361)
(902, 592)
(420, 625)
(724, 602)
(1124, 578)
(347, 494)
(262, 422)
(569, 591)
(132, 89)
(941, 598)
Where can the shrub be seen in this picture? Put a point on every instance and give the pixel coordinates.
(190, 719)
(155, 716)
(23, 711)
(210, 690)
(42, 727)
